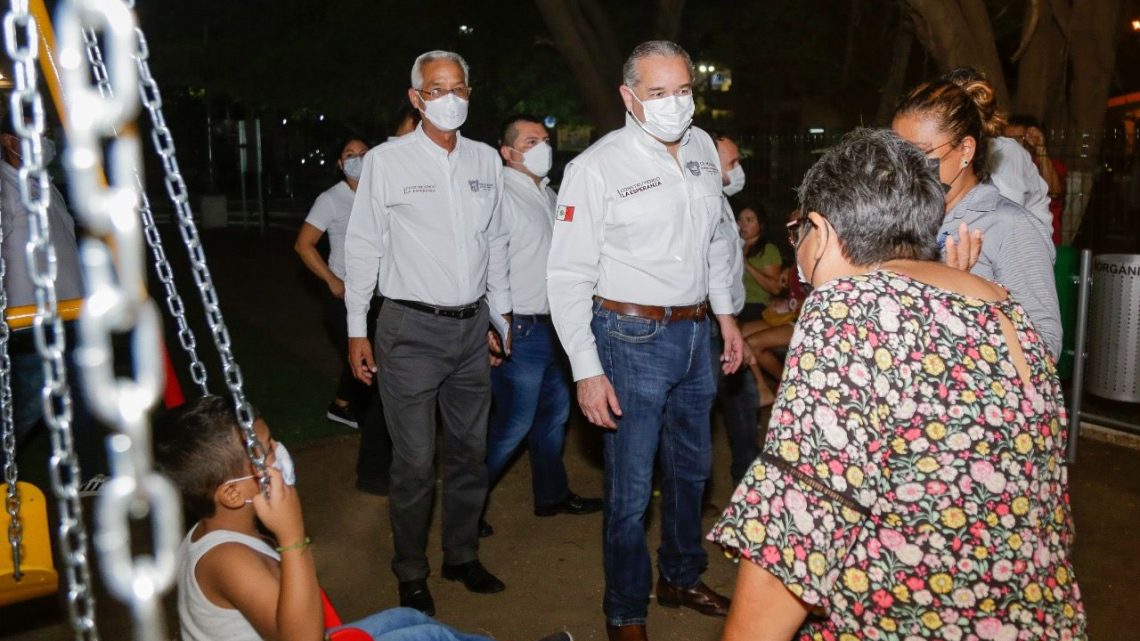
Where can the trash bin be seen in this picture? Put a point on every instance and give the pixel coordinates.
(1113, 369)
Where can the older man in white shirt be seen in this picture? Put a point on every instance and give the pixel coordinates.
(635, 264)
(531, 387)
(423, 227)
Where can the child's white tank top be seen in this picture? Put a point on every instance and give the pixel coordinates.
(200, 619)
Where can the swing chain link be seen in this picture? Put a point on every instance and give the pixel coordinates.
(22, 44)
(162, 268)
(117, 304)
(8, 432)
(179, 194)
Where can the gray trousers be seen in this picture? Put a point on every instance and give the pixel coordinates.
(425, 362)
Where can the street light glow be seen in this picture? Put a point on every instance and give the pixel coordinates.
(1136, 24)
(703, 68)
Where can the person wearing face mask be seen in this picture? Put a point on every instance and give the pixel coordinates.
(354, 404)
(426, 232)
(635, 265)
(531, 388)
(27, 373)
(953, 125)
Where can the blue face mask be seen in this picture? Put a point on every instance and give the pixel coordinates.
(354, 167)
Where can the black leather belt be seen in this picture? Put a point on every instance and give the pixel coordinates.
(532, 318)
(461, 312)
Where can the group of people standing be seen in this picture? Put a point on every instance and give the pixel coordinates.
(912, 483)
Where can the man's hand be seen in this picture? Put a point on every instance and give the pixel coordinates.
(963, 253)
(597, 399)
(281, 512)
(360, 358)
(336, 287)
(733, 354)
(495, 348)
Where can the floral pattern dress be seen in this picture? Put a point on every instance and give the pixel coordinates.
(911, 486)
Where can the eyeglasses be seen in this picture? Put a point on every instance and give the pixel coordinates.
(797, 230)
(463, 92)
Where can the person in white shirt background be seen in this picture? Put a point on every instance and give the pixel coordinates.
(424, 231)
(530, 388)
(635, 263)
(354, 403)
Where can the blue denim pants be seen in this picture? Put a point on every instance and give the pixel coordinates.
(660, 372)
(406, 624)
(530, 395)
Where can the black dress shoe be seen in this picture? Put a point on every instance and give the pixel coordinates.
(474, 576)
(415, 594)
(572, 504)
(485, 529)
(700, 597)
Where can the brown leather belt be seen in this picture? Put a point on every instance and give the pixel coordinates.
(654, 312)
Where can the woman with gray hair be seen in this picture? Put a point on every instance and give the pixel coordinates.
(913, 482)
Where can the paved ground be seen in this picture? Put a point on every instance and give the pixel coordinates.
(552, 566)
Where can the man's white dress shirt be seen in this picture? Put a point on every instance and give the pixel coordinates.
(1012, 171)
(423, 226)
(635, 225)
(527, 213)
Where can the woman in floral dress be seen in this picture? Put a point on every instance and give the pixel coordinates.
(913, 482)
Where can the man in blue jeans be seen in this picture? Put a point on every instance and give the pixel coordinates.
(530, 389)
(636, 262)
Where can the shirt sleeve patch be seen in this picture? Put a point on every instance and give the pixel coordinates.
(565, 213)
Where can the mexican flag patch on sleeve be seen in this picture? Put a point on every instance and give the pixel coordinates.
(565, 213)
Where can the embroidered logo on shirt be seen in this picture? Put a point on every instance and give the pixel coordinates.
(637, 188)
(694, 167)
(475, 185)
(708, 167)
(419, 189)
(565, 213)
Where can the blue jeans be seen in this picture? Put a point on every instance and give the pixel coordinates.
(739, 402)
(530, 395)
(660, 372)
(406, 624)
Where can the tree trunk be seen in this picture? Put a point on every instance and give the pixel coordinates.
(1094, 30)
(585, 38)
(958, 33)
(896, 74)
(1041, 71)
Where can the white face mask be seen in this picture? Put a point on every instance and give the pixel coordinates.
(735, 181)
(537, 159)
(353, 167)
(447, 113)
(666, 119)
(284, 464)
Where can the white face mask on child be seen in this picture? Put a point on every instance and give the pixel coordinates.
(283, 463)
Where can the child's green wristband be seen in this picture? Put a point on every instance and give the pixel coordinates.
(299, 545)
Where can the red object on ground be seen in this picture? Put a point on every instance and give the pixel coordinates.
(172, 396)
(332, 620)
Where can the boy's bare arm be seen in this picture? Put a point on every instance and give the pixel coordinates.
(282, 603)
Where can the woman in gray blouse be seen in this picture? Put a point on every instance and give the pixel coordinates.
(952, 124)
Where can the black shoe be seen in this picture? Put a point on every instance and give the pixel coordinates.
(372, 485)
(341, 414)
(485, 529)
(474, 576)
(415, 594)
(572, 504)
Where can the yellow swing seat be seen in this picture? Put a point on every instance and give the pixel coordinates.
(40, 577)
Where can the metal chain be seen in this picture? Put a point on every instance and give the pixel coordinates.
(162, 267)
(117, 303)
(179, 194)
(22, 42)
(8, 432)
